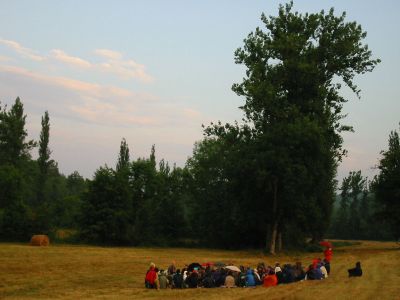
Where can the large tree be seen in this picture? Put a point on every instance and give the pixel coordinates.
(294, 72)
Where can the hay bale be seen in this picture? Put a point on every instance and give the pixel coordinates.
(40, 240)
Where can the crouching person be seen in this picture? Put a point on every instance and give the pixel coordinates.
(355, 272)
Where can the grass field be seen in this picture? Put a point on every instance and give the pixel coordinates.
(85, 272)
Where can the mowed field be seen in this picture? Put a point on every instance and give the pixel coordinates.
(86, 272)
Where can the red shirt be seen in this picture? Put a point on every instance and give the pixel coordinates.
(270, 280)
(151, 276)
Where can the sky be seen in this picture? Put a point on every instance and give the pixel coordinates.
(153, 72)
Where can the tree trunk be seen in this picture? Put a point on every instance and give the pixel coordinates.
(268, 236)
(274, 233)
(279, 241)
(274, 229)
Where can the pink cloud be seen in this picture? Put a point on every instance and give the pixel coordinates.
(67, 59)
(125, 69)
(79, 86)
(24, 52)
(110, 54)
(100, 104)
(114, 62)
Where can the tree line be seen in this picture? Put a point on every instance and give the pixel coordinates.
(268, 181)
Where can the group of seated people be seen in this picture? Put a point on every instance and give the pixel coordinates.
(211, 276)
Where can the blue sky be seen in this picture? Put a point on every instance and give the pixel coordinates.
(154, 71)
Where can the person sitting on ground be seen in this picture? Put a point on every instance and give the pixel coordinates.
(278, 273)
(208, 281)
(177, 279)
(257, 277)
(242, 277)
(270, 279)
(229, 280)
(311, 273)
(299, 273)
(216, 275)
(287, 274)
(355, 272)
(184, 273)
(250, 281)
(327, 265)
(162, 279)
(323, 271)
(150, 280)
(192, 279)
(318, 272)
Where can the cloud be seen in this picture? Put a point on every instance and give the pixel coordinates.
(5, 58)
(79, 86)
(191, 113)
(25, 52)
(94, 103)
(125, 69)
(112, 63)
(67, 59)
(110, 54)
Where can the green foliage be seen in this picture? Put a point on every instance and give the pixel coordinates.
(44, 151)
(123, 158)
(105, 208)
(355, 217)
(290, 144)
(387, 185)
(13, 147)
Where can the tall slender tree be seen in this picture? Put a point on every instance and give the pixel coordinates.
(123, 157)
(44, 150)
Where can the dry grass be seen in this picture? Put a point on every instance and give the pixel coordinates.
(80, 272)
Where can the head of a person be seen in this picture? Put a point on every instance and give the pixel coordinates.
(271, 272)
(152, 266)
(358, 265)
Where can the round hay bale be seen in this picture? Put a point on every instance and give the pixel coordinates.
(40, 240)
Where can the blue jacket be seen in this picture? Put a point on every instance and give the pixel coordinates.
(250, 281)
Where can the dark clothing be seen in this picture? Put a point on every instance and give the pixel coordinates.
(312, 274)
(318, 273)
(242, 280)
(192, 280)
(178, 280)
(208, 281)
(287, 275)
(328, 267)
(355, 272)
(299, 273)
(279, 275)
(219, 278)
